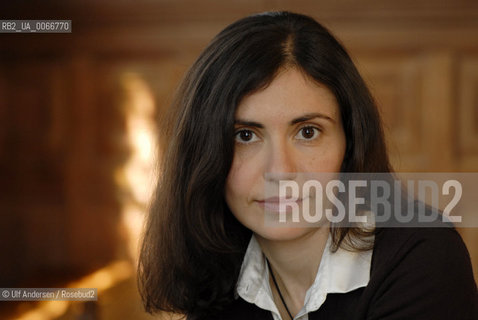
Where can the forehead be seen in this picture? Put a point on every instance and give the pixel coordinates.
(290, 94)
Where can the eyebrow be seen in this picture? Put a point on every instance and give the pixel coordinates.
(248, 123)
(305, 117)
(310, 116)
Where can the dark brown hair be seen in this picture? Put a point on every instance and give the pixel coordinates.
(193, 246)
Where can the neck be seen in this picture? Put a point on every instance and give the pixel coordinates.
(295, 263)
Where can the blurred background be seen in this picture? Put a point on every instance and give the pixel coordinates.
(78, 116)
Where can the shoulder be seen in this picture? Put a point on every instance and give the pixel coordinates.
(397, 246)
(423, 273)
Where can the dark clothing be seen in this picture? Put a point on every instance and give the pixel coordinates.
(416, 273)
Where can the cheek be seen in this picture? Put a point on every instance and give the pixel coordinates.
(235, 185)
(240, 184)
(325, 160)
(333, 154)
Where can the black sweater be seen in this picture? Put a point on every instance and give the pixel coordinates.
(416, 273)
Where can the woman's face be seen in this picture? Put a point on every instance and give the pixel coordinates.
(292, 126)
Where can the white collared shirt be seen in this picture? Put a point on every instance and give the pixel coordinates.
(339, 272)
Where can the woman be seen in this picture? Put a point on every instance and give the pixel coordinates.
(274, 95)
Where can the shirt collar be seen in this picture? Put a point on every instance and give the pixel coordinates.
(339, 272)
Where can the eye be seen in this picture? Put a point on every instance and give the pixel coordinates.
(245, 136)
(308, 133)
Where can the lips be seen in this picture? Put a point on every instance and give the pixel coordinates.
(277, 204)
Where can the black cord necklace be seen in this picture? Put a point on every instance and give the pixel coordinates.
(278, 290)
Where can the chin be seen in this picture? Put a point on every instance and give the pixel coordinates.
(282, 233)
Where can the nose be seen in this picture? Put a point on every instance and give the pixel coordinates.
(281, 162)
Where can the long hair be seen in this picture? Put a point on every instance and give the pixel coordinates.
(193, 246)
